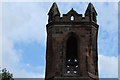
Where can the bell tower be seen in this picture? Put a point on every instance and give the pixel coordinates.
(72, 45)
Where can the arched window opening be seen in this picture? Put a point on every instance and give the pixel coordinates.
(75, 71)
(68, 71)
(75, 60)
(71, 55)
(68, 66)
(68, 60)
(76, 66)
(72, 18)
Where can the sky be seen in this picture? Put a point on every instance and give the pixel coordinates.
(23, 36)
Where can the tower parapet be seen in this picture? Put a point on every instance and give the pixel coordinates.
(90, 15)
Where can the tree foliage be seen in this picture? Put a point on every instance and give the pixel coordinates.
(5, 75)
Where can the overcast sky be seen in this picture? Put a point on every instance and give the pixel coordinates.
(24, 36)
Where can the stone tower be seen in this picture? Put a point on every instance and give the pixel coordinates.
(72, 45)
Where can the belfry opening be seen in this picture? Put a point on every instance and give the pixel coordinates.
(71, 55)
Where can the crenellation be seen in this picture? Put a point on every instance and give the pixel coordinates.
(67, 18)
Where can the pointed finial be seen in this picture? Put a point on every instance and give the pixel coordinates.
(90, 3)
(54, 10)
(90, 8)
(72, 9)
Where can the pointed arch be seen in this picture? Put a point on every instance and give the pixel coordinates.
(71, 50)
